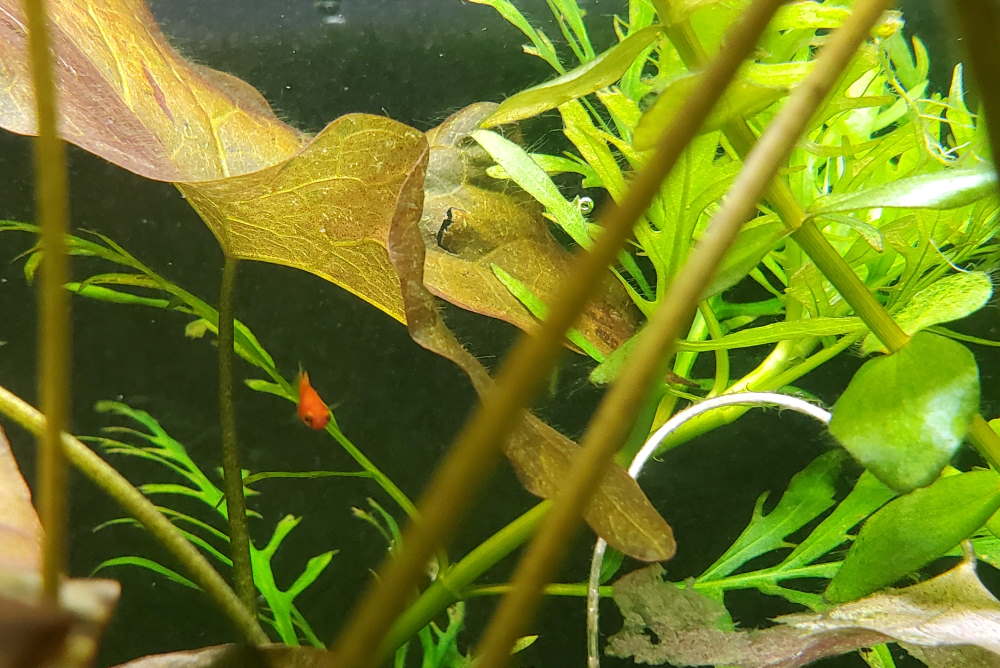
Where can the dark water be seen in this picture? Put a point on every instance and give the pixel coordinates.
(416, 62)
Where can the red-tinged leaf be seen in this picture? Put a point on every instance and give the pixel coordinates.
(540, 455)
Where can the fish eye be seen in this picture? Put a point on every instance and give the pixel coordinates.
(308, 419)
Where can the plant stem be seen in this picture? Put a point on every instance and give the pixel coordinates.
(556, 589)
(52, 207)
(652, 351)
(236, 512)
(138, 506)
(450, 586)
(521, 375)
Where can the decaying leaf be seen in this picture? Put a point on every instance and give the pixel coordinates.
(540, 455)
(667, 623)
(325, 210)
(471, 221)
(236, 656)
(32, 632)
(20, 530)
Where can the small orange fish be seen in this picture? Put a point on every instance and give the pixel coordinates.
(312, 411)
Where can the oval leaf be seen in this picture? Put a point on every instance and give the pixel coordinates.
(947, 189)
(904, 415)
(951, 298)
(912, 530)
(604, 70)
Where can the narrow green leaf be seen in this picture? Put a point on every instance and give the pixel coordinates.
(868, 495)
(534, 181)
(148, 564)
(809, 493)
(946, 189)
(314, 567)
(913, 530)
(267, 387)
(115, 296)
(951, 298)
(606, 69)
(540, 310)
(542, 44)
(904, 415)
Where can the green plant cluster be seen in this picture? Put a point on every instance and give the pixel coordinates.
(894, 174)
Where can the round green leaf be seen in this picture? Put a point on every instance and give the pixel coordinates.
(904, 415)
(913, 530)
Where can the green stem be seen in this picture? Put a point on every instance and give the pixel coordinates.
(52, 204)
(132, 501)
(556, 589)
(236, 511)
(450, 585)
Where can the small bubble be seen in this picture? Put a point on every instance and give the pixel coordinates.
(330, 12)
(585, 205)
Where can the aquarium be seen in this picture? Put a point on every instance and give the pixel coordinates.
(734, 258)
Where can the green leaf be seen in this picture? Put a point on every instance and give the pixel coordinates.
(751, 246)
(148, 564)
(951, 298)
(267, 387)
(540, 310)
(946, 189)
(741, 99)
(913, 530)
(314, 567)
(534, 181)
(542, 45)
(809, 493)
(115, 296)
(904, 415)
(604, 70)
(867, 496)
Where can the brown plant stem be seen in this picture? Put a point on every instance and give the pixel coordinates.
(652, 352)
(477, 447)
(52, 206)
(236, 511)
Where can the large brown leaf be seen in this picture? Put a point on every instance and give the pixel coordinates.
(325, 210)
(489, 221)
(620, 513)
(128, 97)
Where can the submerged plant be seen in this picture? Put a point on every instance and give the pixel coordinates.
(869, 221)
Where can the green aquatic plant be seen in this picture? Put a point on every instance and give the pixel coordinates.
(828, 181)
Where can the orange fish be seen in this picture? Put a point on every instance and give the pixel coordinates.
(312, 411)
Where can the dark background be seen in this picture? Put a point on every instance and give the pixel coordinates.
(416, 62)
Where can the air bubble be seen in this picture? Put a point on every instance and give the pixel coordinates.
(329, 11)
